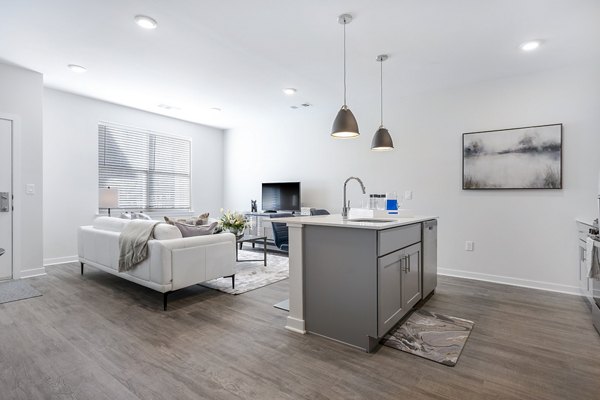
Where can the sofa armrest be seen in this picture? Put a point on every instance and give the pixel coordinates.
(200, 258)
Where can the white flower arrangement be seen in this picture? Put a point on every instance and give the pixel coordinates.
(234, 221)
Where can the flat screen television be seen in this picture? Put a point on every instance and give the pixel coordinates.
(281, 196)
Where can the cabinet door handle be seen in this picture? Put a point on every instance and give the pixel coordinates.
(408, 263)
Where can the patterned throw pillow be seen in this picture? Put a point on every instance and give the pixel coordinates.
(202, 219)
(195, 230)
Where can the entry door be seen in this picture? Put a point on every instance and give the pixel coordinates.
(6, 198)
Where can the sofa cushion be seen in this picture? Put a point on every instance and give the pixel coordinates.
(195, 230)
(166, 232)
(111, 224)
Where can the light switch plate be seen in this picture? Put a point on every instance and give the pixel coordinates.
(30, 189)
(408, 195)
(469, 245)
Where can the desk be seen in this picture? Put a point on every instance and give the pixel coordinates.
(252, 239)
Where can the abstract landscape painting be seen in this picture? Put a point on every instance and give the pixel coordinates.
(519, 158)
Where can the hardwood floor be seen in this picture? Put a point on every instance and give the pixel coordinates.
(101, 337)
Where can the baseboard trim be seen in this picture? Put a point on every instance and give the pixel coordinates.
(295, 325)
(60, 260)
(505, 280)
(30, 273)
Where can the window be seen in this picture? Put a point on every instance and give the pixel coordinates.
(151, 170)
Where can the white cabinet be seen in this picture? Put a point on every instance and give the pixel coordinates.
(261, 225)
(585, 283)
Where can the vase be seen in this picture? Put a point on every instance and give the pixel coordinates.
(237, 232)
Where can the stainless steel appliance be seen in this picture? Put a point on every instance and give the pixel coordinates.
(429, 267)
(595, 283)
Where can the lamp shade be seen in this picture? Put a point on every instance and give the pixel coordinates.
(382, 140)
(344, 125)
(109, 198)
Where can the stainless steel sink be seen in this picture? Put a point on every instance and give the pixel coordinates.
(372, 220)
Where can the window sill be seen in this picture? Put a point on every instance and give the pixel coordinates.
(153, 214)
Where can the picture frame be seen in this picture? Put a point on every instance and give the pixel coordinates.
(513, 159)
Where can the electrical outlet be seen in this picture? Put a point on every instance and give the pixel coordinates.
(469, 245)
(408, 195)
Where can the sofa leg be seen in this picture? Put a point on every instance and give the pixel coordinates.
(233, 281)
(165, 297)
(81, 268)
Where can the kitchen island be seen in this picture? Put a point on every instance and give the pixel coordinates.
(352, 280)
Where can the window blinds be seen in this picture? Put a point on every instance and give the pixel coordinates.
(151, 171)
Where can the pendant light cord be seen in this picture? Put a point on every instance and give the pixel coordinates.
(345, 63)
(381, 91)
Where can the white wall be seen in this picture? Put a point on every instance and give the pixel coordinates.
(521, 237)
(71, 164)
(21, 98)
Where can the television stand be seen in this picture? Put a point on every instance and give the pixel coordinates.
(261, 224)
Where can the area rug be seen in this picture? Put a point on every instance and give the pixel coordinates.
(16, 290)
(251, 275)
(436, 337)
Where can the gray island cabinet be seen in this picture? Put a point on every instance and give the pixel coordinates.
(359, 279)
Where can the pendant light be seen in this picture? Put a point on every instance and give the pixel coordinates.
(345, 125)
(382, 141)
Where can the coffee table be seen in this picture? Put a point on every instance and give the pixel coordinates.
(252, 239)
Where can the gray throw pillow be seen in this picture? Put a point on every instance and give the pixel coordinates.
(195, 230)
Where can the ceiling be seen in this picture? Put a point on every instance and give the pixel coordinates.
(238, 55)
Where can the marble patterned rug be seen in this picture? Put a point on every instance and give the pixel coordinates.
(436, 337)
(16, 290)
(251, 275)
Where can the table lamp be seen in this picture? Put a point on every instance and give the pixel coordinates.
(109, 198)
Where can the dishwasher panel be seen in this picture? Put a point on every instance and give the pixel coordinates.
(429, 267)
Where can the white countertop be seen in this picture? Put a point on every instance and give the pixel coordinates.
(338, 221)
(585, 221)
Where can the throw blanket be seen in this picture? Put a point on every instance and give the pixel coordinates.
(592, 262)
(133, 243)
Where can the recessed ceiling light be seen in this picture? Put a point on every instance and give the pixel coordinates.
(77, 68)
(290, 91)
(215, 109)
(168, 107)
(530, 45)
(146, 22)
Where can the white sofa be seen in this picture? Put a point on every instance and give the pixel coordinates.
(173, 262)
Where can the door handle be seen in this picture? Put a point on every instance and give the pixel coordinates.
(4, 204)
(406, 261)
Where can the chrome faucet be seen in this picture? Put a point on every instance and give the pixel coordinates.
(346, 208)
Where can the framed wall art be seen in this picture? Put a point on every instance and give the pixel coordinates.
(517, 158)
